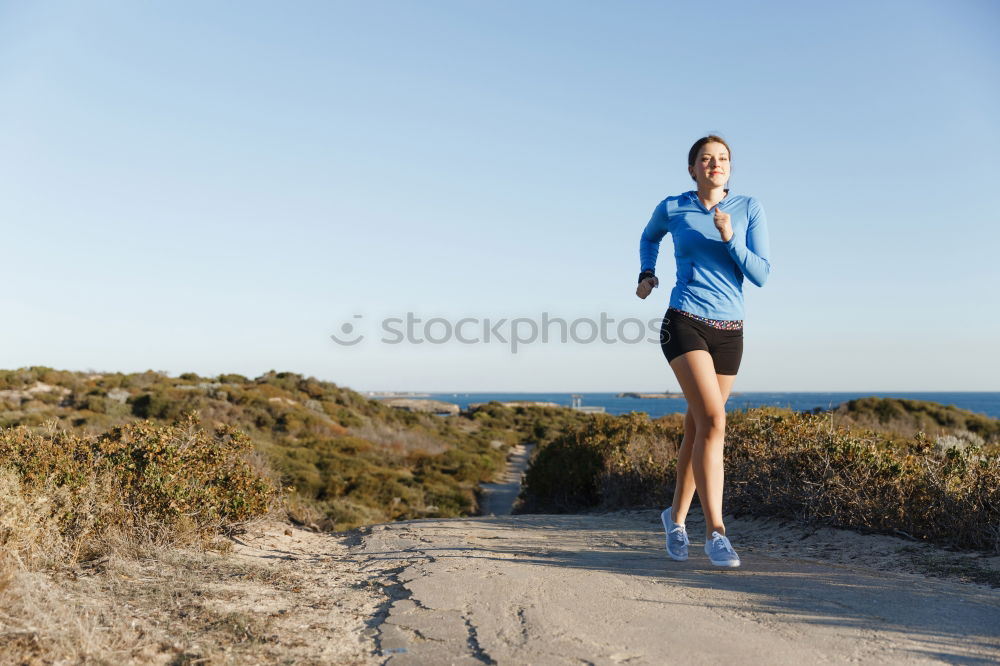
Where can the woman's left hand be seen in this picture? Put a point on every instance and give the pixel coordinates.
(723, 225)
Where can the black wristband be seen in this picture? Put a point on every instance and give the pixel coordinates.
(646, 274)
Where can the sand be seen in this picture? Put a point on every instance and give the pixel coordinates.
(599, 589)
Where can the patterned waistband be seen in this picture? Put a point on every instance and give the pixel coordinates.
(724, 324)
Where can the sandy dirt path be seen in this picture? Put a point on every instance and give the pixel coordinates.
(598, 589)
(497, 499)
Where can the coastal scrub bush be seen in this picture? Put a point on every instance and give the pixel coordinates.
(904, 418)
(780, 463)
(351, 460)
(65, 497)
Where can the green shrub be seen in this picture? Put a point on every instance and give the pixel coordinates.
(232, 379)
(164, 404)
(904, 418)
(95, 403)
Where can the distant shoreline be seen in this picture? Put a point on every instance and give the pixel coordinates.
(395, 394)
(660, 403)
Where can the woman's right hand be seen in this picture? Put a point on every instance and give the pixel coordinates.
(646, 286)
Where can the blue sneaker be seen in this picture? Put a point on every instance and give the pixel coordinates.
(721, 552)
(677, 537)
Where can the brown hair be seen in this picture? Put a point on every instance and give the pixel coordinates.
(696, 148)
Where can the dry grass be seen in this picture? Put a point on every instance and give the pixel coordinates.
(279, 596)
(170, 607)
(400, 440)
(38, 626)
(88, 525)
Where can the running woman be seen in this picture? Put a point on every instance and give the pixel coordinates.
(719, 238)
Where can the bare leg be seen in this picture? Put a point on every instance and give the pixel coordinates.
(684, 490)
(703, 390)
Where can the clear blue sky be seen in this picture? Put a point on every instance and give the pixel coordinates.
(218, 187)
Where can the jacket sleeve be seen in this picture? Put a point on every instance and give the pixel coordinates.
(649, 243)
(752, 254)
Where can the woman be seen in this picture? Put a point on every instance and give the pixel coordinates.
(719, 238)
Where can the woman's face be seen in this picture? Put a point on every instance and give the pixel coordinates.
(711, 167)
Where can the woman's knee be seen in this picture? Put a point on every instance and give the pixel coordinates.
(713, 422)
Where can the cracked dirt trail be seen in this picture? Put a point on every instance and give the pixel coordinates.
(599, 589)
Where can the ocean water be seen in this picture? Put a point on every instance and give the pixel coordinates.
(987, 403)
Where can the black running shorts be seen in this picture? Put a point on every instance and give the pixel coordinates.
(680, 333)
